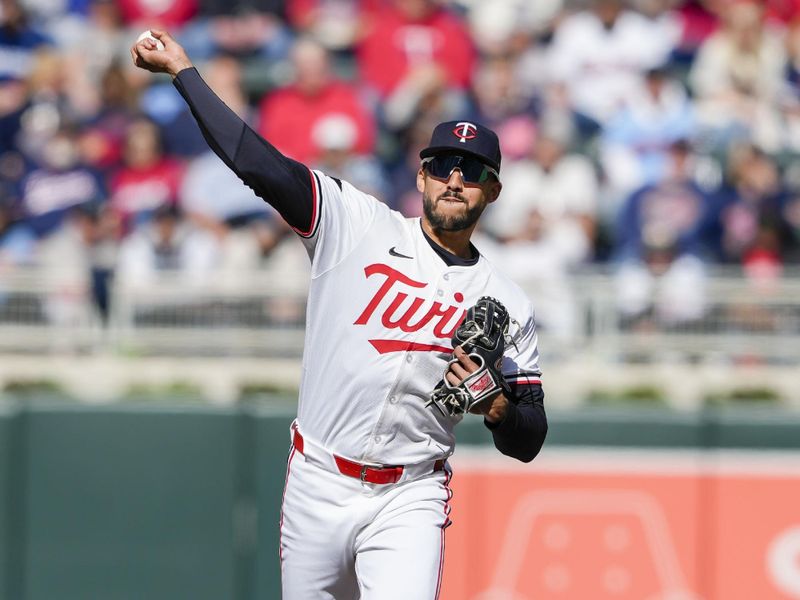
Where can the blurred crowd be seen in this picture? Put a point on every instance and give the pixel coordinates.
(658, 138)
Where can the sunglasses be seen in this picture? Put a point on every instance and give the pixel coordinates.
(473, 171)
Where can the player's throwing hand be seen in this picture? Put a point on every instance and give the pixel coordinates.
(171, 60)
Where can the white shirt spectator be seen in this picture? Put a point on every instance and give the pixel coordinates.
(189, 252)
(562, 195)
(737, 76)
(599, 65)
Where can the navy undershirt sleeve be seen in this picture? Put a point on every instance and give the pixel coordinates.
(521, 434)
(285, 183)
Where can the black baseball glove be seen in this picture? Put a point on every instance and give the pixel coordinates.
(482, 335)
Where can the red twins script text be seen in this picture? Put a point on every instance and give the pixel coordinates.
(397, 288)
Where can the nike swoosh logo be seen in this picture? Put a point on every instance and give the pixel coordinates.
(394, 252)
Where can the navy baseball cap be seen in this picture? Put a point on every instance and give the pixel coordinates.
(465, 137)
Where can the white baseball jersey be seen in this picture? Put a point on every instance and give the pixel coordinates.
(382, 308)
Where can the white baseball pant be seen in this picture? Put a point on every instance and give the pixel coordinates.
(346, 539)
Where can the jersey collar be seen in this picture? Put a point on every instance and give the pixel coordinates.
(450, 259)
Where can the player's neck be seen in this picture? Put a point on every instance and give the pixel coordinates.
(455, 242)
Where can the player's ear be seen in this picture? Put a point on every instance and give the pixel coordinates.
(421, 180)
(493, 191)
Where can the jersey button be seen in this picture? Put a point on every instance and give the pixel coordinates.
(446, 276)
(409, 358)
(392, 399)
(377, 439)
(440, 292)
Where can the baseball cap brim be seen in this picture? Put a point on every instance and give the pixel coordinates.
(434, 150)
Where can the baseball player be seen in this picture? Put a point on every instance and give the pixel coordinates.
(365, 503)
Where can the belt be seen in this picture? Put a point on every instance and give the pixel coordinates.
(369, 473)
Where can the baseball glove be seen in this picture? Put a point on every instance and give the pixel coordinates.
(482, 335)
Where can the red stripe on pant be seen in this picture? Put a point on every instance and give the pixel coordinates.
(283, 499)
(448, 475)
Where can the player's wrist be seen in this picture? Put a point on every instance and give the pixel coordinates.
(497, 411)
(175, 67)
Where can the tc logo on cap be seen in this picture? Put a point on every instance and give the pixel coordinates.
(465, 131)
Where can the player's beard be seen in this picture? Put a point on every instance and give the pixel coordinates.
(443, 222)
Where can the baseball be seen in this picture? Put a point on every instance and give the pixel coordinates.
(147, 34)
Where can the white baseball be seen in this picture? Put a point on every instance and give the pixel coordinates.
(148, 34)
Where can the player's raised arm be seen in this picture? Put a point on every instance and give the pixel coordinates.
(285, 183)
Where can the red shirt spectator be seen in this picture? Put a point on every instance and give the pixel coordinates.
(147, 180)
(290, 116)
(138, 191)
(412, 34)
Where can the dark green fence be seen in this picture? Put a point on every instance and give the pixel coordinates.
(8, 458)
(164, 502)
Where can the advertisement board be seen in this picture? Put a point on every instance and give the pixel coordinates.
(626, 524)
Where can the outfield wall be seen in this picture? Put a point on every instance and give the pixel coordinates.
(132, 501)
(635, 524)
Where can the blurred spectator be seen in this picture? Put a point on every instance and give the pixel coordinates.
(501, 27)
(791, 217)
(536, 260)
(290, 116)
(636, 140)
(213, 198)
(336, 24)
(13, 100)
(790, 97)
(13, 169)
(148, 178)
(599, 55)
(752, 211)
(552, 189)
(424, 92)
(335, 139)
(499, 94)
(662, 247)
(167, 244)
(413, 34)
(244, 226)
(18, 40)
(47, 108)
(17, 242)
(737, 76)
(78, 261)
(108, 43)
(102, 137)
(246, 29)
(179, 133)
(61, 183)
(696, 21)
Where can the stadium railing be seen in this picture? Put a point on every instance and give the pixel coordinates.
(258, 314)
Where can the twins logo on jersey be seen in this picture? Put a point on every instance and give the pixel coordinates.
(397, 288)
